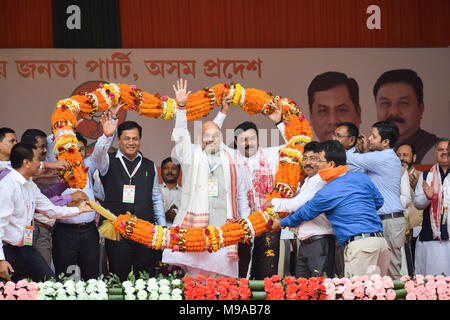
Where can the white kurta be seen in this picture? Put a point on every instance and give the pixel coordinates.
(203, 262)
(432, 257)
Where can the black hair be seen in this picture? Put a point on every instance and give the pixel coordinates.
(401, 75)
(31, 135)
(4, 131)
(387, 130)
(170, 159)
(352, 130)
(442, 139)
(244, 126)
(334, 151)
(128, 125)
(401, 144)
(81, 138)
(332, 79)
(20, 152)
(312, 146)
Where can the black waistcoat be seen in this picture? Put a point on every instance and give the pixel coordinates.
(116, 178)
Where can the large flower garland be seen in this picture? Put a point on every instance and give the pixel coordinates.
(289, 172)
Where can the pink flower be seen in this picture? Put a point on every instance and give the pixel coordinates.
(336, 281)
(22, 294)
(378, 285)
(133, 86)
(164, 98)
(375, 277)
(370, 291)
(420, 279)
(364, 277)
(348, 295)
(390, 294)
(359, 291)
(405, 278)
(429, 278)
(387, 281)
(10, 297)
(409, 285)
(410, 296)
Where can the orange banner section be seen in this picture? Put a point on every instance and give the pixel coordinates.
(26, 24)
(284, 23)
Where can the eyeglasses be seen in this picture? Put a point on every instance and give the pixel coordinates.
(311, 159)
(339, 136)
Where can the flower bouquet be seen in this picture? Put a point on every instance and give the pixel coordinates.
(22, 290)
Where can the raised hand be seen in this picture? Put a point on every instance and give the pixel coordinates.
(226, 102)
(362, 145)
(181, 93)
(413, 178)
(116, 108)
(58, 165)
(275, 116)
(109, 127)
(427, 190)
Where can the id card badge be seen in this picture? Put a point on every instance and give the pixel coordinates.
(128, 193)
(213, 188)
(28, 236)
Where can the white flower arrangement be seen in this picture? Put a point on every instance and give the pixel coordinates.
(70, 290)
(146, 288)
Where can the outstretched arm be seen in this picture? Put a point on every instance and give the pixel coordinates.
(180, 134)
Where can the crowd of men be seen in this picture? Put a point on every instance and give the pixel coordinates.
(363, 207)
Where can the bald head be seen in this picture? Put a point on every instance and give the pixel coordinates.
(211, 137)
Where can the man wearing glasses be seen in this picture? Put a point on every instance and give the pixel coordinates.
(317, 240)
(347, 134)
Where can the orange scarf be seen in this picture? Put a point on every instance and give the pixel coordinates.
(332, 173)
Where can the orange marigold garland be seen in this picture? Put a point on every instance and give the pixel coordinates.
(289, 171)
(189, 239)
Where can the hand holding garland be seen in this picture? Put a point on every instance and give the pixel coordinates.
(226, 101)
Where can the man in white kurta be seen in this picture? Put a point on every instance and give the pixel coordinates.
(432, 196)
(212, 192)
(258, 167)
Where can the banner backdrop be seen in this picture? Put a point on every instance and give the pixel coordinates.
(33, 80)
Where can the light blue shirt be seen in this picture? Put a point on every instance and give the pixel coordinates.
(385, 170)
(350, 166)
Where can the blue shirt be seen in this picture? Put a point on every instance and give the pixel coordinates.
(350, 166)
(385, 170)
(350, 202)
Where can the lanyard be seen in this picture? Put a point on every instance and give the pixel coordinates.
(27, 200)
(134, 171)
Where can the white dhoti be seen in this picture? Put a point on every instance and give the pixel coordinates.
(432, 257)
(208, 264)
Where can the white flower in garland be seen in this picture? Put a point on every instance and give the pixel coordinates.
(142, 295)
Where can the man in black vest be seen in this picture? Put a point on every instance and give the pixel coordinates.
(131, 184)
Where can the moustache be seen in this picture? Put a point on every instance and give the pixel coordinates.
(308, 166)
(395, 119)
